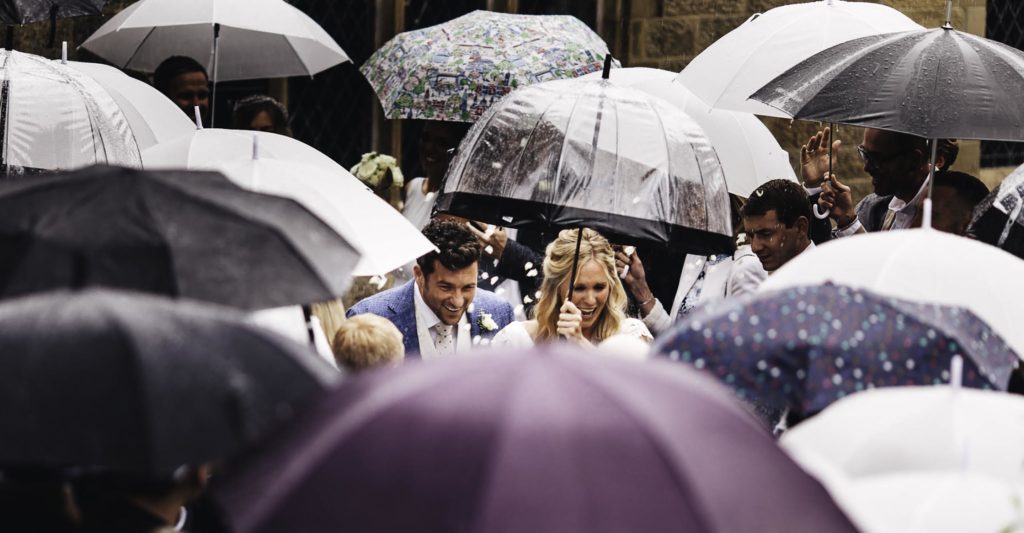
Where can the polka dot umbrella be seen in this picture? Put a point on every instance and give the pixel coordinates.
(800, 349)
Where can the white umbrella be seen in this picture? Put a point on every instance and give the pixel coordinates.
(152, 117)
(386, 239)
(726, 73)
(931, 502)
(279, 165)
(904, 429)
(258, 38)
(748, 151)
(922, 265)
(203, 149)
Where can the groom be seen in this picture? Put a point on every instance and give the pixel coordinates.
(441, 312)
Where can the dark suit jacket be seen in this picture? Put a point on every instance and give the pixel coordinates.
(871, 211)
(399, 306)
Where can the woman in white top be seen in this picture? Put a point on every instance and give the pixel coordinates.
(597, 308)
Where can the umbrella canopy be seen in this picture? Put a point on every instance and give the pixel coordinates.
(931, 502)
(728, 71)
(938, 83)
(140, 384)
(152, 117)
(803, 348)
(455, 71)
(748, 151)
(572, 153)
(28, 11)
(207, 148)
(919, 459)
(913, 429)
(257, 38)
(543, 442)
(386, 239)
(56, 118)
(922, 265)
(999, 218)
(174, 233)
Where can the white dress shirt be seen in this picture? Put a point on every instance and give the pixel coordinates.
(426, 319)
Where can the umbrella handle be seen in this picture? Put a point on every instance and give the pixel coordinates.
(818, 214)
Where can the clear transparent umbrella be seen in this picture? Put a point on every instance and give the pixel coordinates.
(571, 153)
(57, 118)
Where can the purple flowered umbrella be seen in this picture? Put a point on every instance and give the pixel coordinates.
(801, 349)
(545, 442)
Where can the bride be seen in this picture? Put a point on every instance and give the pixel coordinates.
(597, 309)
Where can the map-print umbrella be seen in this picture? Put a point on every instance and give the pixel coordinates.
(456, 70)
(801, 349)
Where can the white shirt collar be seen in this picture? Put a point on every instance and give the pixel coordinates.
(423, 311)
(899, 205)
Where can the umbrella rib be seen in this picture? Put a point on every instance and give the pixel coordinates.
(533, 131)
(138, 48)
(291, 47)
(668, 163)
(636, 416)
(556, 189)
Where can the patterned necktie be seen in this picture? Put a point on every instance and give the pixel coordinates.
(445, 340)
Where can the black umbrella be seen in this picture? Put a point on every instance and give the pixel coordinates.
(187, 234)
(140, 384)
(999, 218)
(27, 11)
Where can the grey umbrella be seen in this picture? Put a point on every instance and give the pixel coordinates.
(177, 233)
(139, 384)
(938, 83)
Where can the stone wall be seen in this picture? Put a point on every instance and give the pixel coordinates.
(667, 34)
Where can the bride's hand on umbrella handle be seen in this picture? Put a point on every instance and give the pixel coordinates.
(570, 323)
(814, 158)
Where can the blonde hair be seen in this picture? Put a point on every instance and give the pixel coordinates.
(366, 341)
(558, 260)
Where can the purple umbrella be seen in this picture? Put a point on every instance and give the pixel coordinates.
(554, 441)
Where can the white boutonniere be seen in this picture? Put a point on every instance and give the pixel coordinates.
(486, 322)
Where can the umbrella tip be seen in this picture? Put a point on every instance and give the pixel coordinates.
(63, 52)
(949, 15)
(956, 372)
(199, 118)
(607, 66)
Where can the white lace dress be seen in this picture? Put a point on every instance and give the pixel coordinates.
(515, 335)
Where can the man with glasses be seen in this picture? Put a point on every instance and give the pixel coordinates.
(898, 165)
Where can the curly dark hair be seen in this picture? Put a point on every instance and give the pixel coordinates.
(458, 246)
(787, 198)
